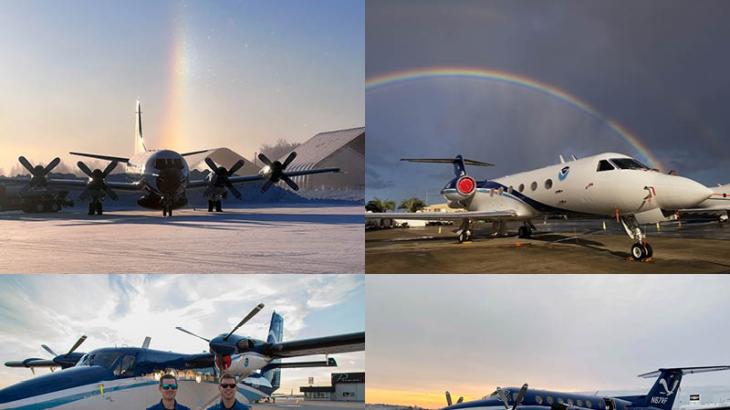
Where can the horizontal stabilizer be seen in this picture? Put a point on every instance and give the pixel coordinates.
(685, 370)
(448, 161)
(102, 157)
(330, 362)
(187, 154)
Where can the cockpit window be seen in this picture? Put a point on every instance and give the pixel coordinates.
(103, 359)
(604, 165)
(125, 366)
(628, 163)
(165, 163)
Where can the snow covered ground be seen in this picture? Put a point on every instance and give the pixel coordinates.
(279, 238)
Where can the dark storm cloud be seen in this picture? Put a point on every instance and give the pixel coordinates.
(657, 68)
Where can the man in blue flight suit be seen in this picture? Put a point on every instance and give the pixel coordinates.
(168, 390)
(227, 387)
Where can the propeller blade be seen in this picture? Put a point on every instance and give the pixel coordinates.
(266, 186)
(236, 167)
(289, 182)
(146, 343)
(85, 169)
(233, 189)
(264, 159)
(48, 349)
(192, 334)
(248, 317)
(461, 399)
(113, 195)
(503, 397)
(26, 164)
(520, 396)
(52, 165)
(289, 159)
(109, 168)
(76, 345)
(211, 164)
(448, 398)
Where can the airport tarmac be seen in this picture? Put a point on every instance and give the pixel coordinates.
(557, 247)
(298, 403)
(289, 238)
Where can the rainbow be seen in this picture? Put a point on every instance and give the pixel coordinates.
(398, 77)
(179, 69)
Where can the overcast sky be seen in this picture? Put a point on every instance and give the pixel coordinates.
(471, 333)
(120, 310)
(656, 68)
(231, 73)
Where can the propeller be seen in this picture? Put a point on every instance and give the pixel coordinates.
(220, 343)
(73, 348)
(97, 185)
(191, 333)
(505, 398)
(243, 321)
(276, 172)
(38, 173)
(448, 399)
(221, 176)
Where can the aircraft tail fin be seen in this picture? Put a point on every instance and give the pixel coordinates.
(665, 389)
(139, 146)
(276, 335)
(459, 163)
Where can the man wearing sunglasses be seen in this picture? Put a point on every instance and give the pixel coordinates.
(227, 387)
(168, 390)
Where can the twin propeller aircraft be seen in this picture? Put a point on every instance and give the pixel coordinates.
(124, 377)
(162, 176)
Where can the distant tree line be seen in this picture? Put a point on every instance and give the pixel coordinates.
(383, 205)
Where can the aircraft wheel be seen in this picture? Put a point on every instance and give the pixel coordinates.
(91, 208)
(638, 252)
(210, 206)
(99, 208)
(218, 206)
(649, 251)
(461, 238)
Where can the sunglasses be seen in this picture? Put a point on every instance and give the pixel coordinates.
(228, 385)
(166, 386)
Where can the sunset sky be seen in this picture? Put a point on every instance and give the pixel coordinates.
(237, 74)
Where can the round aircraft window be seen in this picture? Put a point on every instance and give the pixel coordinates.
(538, 399)
(589, 404)
(521, 187)
(550, 400)
(570, 402)
(510, 189)
(548, 183)
(533, 186)
(580, 403)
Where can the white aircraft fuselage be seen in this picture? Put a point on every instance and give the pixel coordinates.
(579, 187)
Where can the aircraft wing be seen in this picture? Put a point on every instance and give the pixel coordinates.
(352, 342)
(32, 363)
(102, 157)
(81, 183)
(261, 177)
(443, 216)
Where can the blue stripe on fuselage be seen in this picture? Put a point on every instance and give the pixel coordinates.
(49, 404)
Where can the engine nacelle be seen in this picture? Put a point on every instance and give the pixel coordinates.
(465, 188)
(243, 364)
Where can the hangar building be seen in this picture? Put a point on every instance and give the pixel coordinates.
(345, 387)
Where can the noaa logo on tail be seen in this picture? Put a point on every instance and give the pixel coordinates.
(667, 390)
(563, 173)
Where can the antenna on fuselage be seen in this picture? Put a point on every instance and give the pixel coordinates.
(562, 160)
(573, 157)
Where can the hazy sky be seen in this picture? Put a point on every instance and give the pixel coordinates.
(471, 333)
(654, 67)
(228, 73)
(120, 310)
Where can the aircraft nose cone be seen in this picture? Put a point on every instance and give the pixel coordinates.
(675, 192)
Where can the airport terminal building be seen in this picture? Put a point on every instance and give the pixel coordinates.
(344, 387)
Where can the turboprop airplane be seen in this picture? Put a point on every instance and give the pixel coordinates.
(607, 184)
(64, 361)
(125, 378)
(661, 396)
(162, 176)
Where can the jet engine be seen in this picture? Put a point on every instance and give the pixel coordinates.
(465, 186)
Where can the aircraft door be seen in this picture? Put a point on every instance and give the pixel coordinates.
(610, 404)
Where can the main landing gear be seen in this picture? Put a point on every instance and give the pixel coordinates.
(215, 204)
(464, 232)
(525, 231)
(166, 210)
(95, 207)
(641, 249)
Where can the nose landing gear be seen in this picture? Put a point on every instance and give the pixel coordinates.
(464, 232)
(640, 250)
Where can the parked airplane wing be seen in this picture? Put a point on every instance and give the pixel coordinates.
(352, 342)
(261, 177)
(103, 157)
(444, 216)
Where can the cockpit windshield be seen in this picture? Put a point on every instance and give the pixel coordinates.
(628, 163)
(103, 359)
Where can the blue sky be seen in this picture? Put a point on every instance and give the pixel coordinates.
(231, 73)
(118, 310)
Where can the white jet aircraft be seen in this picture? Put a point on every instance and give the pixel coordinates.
(607, 184)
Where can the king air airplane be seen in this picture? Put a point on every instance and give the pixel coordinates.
(126, 378)
(609, 184)
(162, 176)
(660, 397)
